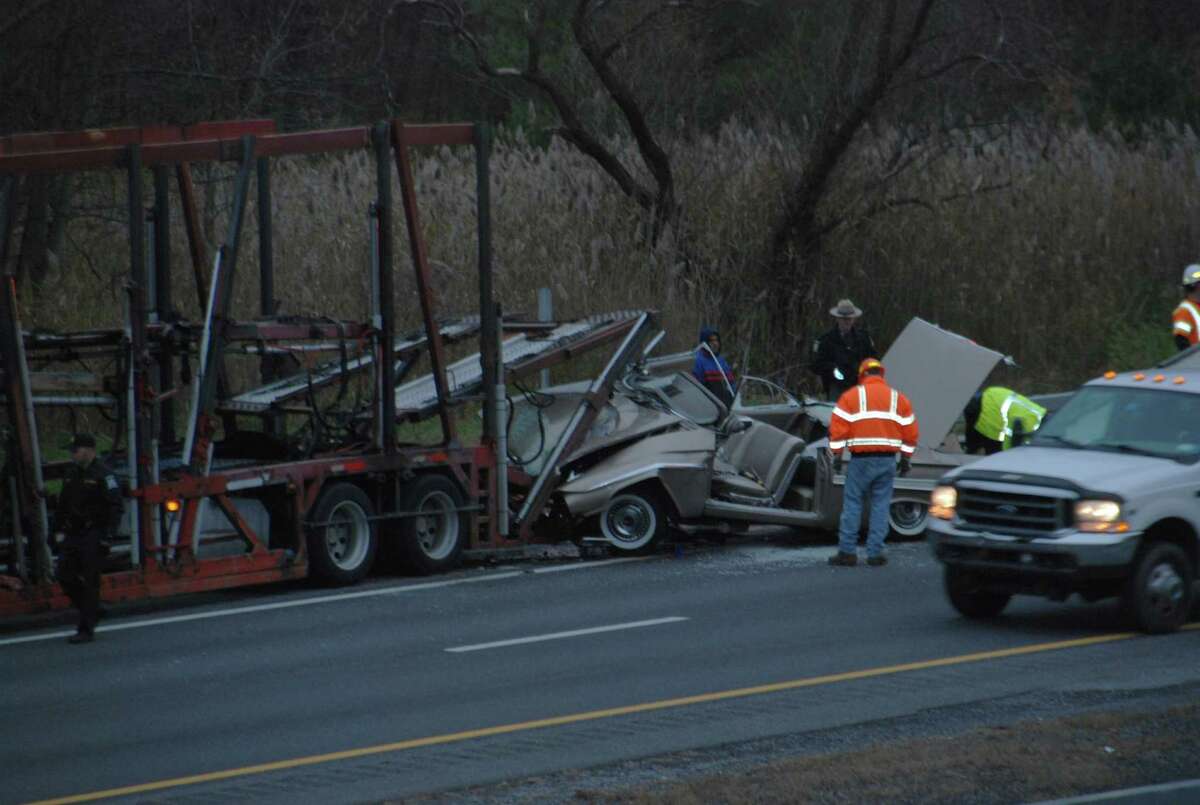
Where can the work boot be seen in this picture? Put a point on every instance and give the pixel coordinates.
(877, 561)
(843, 559)
(81, 637)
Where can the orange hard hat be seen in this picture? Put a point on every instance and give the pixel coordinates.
(870, 366)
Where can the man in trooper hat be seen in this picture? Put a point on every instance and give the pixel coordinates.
(840, 350)
(89, 509)
(874, 422)
(1185, 321)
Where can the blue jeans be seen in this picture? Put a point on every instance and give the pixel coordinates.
(869, 476)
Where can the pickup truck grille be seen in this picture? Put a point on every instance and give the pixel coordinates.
(1010, 512)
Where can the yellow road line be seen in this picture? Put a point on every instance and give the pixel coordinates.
(592, 715)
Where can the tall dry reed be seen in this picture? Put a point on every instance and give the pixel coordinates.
(1076, 255)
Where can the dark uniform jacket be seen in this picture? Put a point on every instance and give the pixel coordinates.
(835, 352)
(90, 503)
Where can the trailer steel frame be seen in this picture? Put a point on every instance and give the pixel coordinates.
(168, 499)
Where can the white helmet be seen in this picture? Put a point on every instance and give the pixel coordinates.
(1191, 274)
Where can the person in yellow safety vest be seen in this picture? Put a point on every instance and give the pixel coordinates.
(1185, 321)
(993, 414)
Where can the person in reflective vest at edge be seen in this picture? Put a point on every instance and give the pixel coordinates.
(711, 369)
(994, 415)
(874, 422)
(1185, 321)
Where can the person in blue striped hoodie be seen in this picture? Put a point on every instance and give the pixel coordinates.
(711, 369)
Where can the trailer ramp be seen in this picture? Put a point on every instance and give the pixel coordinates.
(418, 398)
(263, 398)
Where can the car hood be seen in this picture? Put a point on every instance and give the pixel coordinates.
(1094, 470)
(624, 421)
(938, 371)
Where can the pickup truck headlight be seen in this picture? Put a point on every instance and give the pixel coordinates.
(942, 501)
(1103, 516)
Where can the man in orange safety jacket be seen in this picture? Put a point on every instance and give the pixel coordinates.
(1185, 320)
(874, 422)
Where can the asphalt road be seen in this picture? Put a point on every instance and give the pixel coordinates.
(408, 686)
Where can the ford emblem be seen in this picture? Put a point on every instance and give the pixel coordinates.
(1006, 508)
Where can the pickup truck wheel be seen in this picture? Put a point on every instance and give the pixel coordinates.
(342, 540)
(633, 521)
(433, 541)
(907, 518)
(1159, 596)
(965, 596)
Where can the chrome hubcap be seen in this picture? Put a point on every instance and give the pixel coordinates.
(347, 536)
(1164, 588)
(437, 525)
(630, 521)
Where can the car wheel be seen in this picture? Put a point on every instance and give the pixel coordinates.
(1160, 593)
(907, 518)
(964, 593)
(342, 540)
(433, 541)
(633, 521)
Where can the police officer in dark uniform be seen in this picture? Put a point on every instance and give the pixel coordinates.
(89, 509)
(840, 351)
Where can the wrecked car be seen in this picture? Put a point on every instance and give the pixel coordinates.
(664, 453)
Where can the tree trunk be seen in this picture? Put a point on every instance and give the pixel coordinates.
(32, 259)
(791, 282)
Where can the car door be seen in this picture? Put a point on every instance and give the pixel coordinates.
(764, 401)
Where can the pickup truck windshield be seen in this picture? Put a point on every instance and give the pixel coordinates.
(1145, 421)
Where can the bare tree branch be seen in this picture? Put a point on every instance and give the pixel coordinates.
(653, 155)
(861, 217)
(660, 200)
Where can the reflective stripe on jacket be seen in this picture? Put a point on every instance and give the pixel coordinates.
(1185, 321)
(1000, 408)
(872, 417)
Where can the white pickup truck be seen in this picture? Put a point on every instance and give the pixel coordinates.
(1103, 500)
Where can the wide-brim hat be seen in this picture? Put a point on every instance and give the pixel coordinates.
(845, 309)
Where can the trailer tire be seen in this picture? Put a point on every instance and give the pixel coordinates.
(341, 551)
(434, 541)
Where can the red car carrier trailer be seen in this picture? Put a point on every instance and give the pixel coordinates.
(211, 503)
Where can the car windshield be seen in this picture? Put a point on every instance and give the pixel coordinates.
(1145, 421)
(681, 394)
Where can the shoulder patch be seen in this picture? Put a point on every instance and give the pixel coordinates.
(111, 482)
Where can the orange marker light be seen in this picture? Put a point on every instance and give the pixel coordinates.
(1110, 374)
(1139, 376)
(172, 505)
(1178, 381)
(1159, 378)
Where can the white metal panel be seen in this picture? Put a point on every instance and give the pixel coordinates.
(938, 371)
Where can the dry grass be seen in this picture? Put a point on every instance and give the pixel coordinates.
(1071, 268)
(1023, 763)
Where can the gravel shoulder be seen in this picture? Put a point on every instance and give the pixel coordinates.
(1026, 748)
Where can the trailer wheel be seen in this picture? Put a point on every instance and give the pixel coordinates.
(342, 543)
(633, 521)
(433, 541)
(1159, 593)
(907, 518)
(969, 600)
